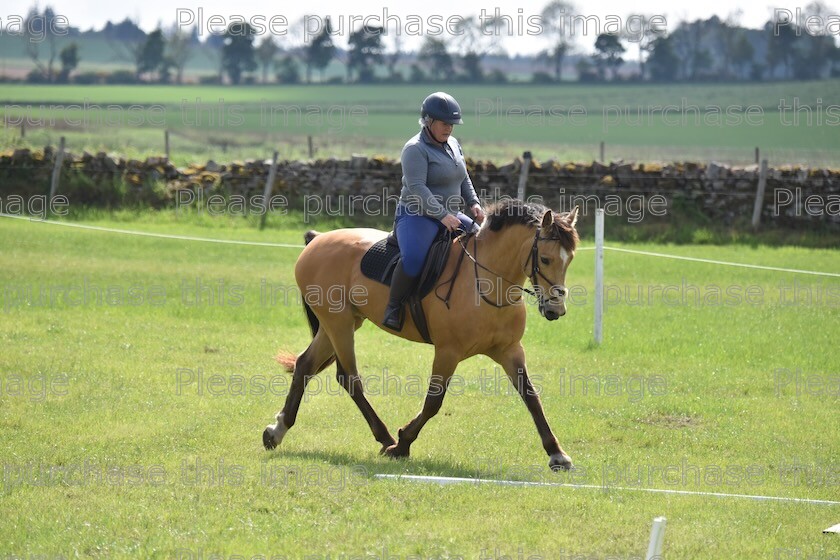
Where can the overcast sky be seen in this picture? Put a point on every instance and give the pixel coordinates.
(85, 14)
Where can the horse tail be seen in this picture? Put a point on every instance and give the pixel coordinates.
(287, 359)
(310, 235)
(314, 324)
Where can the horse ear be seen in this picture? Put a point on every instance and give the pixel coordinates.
(572, 217)
(547, 219)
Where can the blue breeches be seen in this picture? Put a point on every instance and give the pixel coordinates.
(415, 235)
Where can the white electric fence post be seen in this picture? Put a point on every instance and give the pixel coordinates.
(657, 535)
(599, 275)
(269, 185)
(523, 175)
(56, 174)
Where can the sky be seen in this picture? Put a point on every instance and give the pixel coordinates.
(417, 19)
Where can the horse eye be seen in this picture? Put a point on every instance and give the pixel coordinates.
(544, 260)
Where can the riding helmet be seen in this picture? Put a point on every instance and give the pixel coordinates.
(442, 107)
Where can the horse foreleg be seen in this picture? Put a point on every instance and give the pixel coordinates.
(317, 356)
(512, 359)
(442, 369)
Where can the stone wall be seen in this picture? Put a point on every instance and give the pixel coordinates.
(794, 196)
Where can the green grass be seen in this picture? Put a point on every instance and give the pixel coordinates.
(389, 98)
(195, 476)
(500, 121)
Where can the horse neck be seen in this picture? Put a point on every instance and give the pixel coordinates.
(505, 252)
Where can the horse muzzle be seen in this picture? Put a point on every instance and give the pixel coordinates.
(551, 310)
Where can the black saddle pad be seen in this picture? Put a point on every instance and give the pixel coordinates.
(379, 261)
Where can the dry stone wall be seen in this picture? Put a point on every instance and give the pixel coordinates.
(794, 196)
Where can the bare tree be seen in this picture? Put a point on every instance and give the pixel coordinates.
(179, 49)
(648, 30)
(475, 39)
(818, 9)
(558, 27)
(689, 46)
(815, 49)
(266, 51)
(127, 42)
(40, 38)
(392, 58)
(434, 55)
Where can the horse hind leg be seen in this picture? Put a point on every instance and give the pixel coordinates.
(442, 369)
(352, 383)
(347, 376)
(317, 356)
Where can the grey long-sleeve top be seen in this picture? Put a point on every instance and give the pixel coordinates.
(435, 178)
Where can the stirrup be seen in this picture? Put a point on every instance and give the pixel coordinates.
(393, 316)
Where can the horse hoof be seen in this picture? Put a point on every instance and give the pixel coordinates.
(385, 447)
(560, 462)
(268, 440)
(394, 452)
(274, 434)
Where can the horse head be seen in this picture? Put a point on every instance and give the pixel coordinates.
(555, 241)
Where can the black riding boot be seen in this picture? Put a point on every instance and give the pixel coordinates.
(401, 286)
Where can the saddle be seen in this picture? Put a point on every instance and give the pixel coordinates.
(379, 262)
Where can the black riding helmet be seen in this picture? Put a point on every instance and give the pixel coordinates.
(442, 107)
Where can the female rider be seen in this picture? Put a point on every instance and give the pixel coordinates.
(434, 185)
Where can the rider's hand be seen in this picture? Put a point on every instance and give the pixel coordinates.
(451, 222)
(478, 213)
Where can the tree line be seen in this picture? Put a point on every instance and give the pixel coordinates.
(786, 48)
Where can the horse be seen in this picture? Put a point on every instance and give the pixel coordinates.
(515, 241)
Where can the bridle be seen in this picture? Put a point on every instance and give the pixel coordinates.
(535, 268)
(533, 258)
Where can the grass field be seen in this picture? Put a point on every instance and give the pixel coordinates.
(790, 122)
(112, 448)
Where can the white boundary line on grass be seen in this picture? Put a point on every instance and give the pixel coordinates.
(725, 263)
(445, 480)
(296, 246)
(159, 235)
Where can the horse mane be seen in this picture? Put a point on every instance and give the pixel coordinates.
(510, 212)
